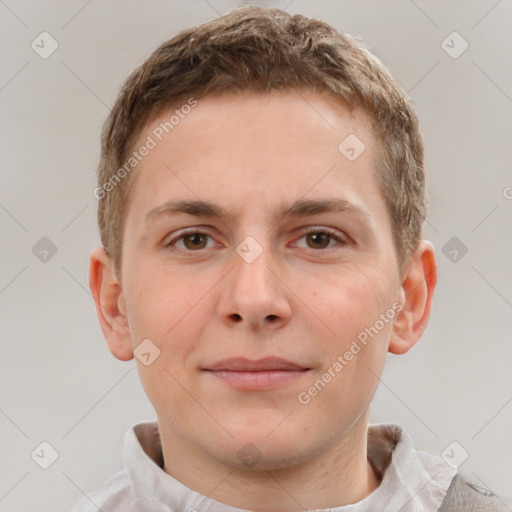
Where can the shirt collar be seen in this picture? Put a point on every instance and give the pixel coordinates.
(412, 481)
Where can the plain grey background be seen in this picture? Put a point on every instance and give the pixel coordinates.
(58, 381)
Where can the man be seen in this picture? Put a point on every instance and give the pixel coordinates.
(262, 196)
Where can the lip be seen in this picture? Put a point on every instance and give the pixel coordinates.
(241, 364)
(262, 374)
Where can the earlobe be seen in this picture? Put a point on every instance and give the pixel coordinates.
(110, 306)
(417, 291)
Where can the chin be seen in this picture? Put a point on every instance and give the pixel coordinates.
(263, 455)
(265, 448)
(261, 426)
(275, 462)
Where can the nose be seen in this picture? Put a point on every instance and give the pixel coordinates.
(255, 294)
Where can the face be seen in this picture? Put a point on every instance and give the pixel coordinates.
(255, 255)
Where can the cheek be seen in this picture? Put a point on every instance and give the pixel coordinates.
(159, 309)
(166, 309)
(354, 307)
(350, 303)
(160, 302)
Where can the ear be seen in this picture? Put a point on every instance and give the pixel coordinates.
(110, 308)
(417, 291)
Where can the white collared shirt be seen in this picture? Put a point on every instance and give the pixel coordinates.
(412, 480)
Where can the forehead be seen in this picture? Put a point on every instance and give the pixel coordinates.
(256, 151)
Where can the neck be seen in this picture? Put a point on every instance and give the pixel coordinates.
(339, 476)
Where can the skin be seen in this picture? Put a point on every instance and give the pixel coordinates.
(305, 298)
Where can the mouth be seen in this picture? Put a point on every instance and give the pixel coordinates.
(263, 374)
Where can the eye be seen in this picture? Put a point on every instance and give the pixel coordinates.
(316, 238)
(321, 238)
(191, 241)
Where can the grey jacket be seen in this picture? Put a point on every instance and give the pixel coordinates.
(463, 496)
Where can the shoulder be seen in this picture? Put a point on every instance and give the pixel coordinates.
(463, 495)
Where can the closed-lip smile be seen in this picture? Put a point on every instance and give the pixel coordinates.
(262, 374)
(240, 364)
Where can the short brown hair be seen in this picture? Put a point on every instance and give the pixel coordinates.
(262, 50)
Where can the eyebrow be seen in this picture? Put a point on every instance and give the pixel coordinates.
(299, 208)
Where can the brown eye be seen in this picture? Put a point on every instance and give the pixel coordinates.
(195, 241)
(322, 239)
(318, 240)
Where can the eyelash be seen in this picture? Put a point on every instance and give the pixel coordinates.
(342, 240)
